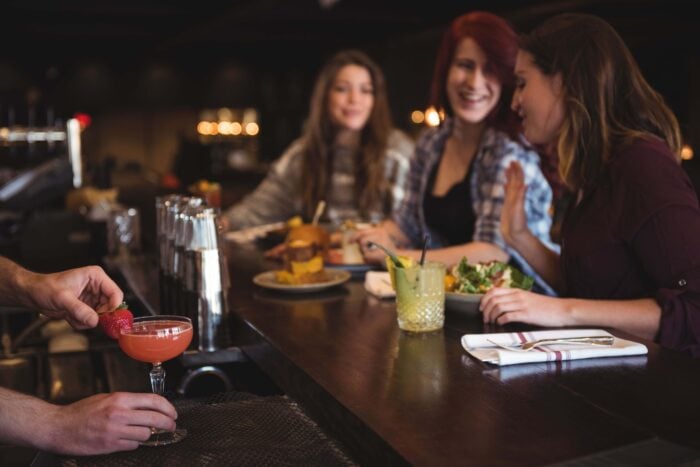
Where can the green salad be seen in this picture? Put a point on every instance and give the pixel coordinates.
(482, 277)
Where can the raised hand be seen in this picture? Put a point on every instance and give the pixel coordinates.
(513, 217)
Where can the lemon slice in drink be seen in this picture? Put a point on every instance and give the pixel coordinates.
(406, 263)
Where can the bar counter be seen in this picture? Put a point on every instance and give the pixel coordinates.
(394, 398)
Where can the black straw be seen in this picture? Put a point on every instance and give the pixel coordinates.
(425, 245)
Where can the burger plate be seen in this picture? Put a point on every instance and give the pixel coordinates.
(269, 281)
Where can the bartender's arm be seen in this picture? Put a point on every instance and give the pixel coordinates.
(95, 425)
(99, 424)
(76, 295)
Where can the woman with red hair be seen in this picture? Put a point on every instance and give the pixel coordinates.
(457, 177)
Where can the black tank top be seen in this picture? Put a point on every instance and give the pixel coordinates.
(451, 215)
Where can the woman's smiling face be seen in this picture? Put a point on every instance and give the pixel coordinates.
(538, 100)
(351, 98)
(472, 88)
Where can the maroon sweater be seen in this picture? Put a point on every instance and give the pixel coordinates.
(637, 235)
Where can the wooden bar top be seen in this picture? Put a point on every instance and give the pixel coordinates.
(395, 398)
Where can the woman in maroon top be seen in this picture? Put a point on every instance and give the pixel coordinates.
(631, 241)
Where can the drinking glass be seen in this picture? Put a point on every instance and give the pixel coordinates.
(155, 339)
(420, 296)
(123, 231)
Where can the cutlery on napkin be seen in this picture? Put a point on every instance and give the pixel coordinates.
(489, 348)
(531, 345)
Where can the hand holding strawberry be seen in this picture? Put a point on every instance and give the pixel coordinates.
(76, 295)
(112, 322)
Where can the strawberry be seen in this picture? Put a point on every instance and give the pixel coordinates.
(112, 322)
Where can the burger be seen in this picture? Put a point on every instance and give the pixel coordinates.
(306, 247)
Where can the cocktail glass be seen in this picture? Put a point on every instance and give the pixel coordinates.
(155, 339)
(420, 296)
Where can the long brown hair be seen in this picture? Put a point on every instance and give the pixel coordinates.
(500, 45)
(320, 132)
(608, 101)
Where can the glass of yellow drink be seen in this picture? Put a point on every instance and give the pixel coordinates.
(420, 296)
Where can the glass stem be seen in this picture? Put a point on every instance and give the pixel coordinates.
(157, 378)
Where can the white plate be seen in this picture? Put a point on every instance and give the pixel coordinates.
(463, 302)
(269, 281)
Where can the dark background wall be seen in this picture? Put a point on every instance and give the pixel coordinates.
(143, 69)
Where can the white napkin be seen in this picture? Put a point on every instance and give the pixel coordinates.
(506, 373)
(378, 283)
(478, 345)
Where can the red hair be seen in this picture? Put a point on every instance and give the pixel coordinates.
(499, 42)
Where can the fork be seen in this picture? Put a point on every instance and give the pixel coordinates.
(585, 340)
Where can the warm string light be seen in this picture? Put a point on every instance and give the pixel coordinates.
(686, 152)
(417, 117)
(433, 117)
(430, 117)
(224, 122)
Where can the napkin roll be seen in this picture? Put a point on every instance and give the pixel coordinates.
(478, 346)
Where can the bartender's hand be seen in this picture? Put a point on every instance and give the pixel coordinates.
(105, 423)
(76, 295)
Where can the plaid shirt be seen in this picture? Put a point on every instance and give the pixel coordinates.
(487, 187)
(279, 197)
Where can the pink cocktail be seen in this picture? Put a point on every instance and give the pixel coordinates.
(155, 339)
